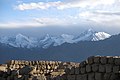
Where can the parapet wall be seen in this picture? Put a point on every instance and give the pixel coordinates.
(93, 68)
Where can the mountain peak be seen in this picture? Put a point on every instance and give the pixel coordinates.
(19, 35)
(67, 36)
(28, 42)
(90, 31)
(47, 35)
(100, 36)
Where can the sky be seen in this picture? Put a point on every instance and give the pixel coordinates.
(68, 14)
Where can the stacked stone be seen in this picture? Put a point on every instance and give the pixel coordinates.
(61, 72)
(40, 66)
(23, 70)
(96, 68)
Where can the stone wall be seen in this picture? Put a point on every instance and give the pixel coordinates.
(93, 68)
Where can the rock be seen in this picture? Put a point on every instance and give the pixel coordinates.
(113, 76)
(103, 60)
(71, 77)
(14, 72)
(77, 65)
(83, 70)
(88, 68)
(117, 61)
(48, 77)
(95, 67)
(78, 77)
(26, 77)
(84, 77)
(108, 68)
(16, 78)
(19, 76)
(21, 66)
(58, 78)
(23, 62)
(98, 76)
(37, 62)
(102, 68)
(48, 67)
(8, 78)
(111, 60)
(26, 63)
(25, 70)
(1, 73)
(51, 62)
(90, 60)
(97, 59)
(33, 62)
(61, 66)
(16, 62)
(3, 68)
(30, 79)
(5, 75)
(63, 77)
(72, 71)
(17, 66)
(12, 62)
(107, 76)
(91, 76)
(116, 69)
(83, 64)
(77, 70)
(19, 62)
(2, 78)
(30, 63)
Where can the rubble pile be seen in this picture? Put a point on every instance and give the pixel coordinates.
(93, 68)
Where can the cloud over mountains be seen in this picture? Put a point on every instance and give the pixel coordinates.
(105, 13)
(67, 4)
(100, 11)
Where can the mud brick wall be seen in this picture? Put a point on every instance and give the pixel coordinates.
(93, 68)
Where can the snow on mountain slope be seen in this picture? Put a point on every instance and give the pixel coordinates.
(47, 41)
(91, 35)
(29, 42)
(19, 41)
(56, 41)
(23, 41)
(62, 39)
(85, 36)
(100, 36)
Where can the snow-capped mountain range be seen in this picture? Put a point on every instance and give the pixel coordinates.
(29, 42)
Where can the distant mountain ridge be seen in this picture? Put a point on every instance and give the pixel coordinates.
(28, 42)
(65, 52)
